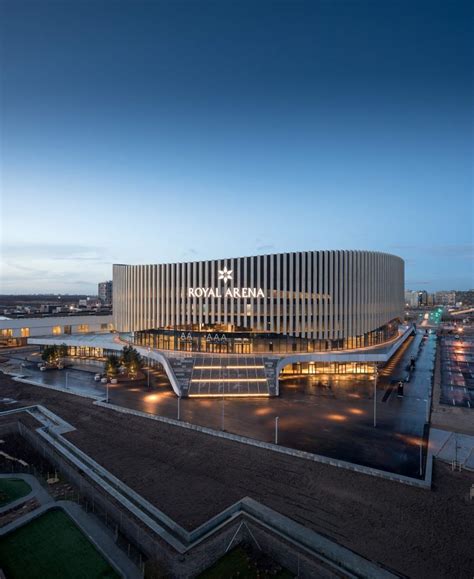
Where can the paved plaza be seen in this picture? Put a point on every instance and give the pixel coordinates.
(335, 418)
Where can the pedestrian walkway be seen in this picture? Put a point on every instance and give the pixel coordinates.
(453, 448)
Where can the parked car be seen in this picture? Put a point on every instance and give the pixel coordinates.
(114, 381)
(103, 380)
(98, 377)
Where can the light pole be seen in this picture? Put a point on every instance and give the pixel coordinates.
(375, 394)
(179, 407)
(67, 376)
(149, 368)
(107, 392)
(277, 418)
(421, 456)
(223, 415)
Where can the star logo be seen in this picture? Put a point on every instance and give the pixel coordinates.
(225, 274)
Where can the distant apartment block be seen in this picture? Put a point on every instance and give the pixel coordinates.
(105, 292)
(445, 298)
(465, 298)
(412, 299)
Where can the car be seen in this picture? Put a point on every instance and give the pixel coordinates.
(103, 380)
(43, 368)
(114, 381)
(98, 377)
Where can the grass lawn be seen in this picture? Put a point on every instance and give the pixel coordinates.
(241, 562)
(51, 546)
(12, 489)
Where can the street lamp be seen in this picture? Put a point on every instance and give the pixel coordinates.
(277, 418)
(375, 394)
(148, 380)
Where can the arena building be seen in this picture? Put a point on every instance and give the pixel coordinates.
(232, 325)
(235, 326)
(305, 301)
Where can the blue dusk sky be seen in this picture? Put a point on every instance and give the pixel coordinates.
(148, 132)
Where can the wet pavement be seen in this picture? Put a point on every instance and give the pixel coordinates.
(335, 420)
(69, 378)
(457, 371)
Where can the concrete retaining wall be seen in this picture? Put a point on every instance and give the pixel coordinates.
(301, 550)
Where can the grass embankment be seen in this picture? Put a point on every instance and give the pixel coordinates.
(52, 546)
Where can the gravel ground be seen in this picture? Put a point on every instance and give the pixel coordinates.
(192, 476)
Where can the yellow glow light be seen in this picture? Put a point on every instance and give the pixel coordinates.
(263, 411)
(228, 367)
(245, 367)
(252, 395)
(336, 417)
(228, 380)
(152, 398)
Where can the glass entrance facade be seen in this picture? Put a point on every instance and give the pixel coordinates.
(221, 342)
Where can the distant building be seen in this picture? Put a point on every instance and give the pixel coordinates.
(423, 298)
(411, 299)
(105, 292)
(16, 332)
(445, 298)
(465, 298)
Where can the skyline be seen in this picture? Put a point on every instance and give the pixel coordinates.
(153, 133)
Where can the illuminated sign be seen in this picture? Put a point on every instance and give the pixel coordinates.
(231, 292)
(225, 274)
(209, 337)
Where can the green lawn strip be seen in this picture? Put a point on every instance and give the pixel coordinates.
(242, 563)
(12, 489)
(51, 546)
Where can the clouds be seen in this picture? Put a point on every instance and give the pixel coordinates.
(459, 251)
(38, 267)
(52, 251)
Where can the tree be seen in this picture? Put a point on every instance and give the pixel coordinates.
(132, 360)
(49, 354)
(52, 354)
(62, 350)
(112, 364)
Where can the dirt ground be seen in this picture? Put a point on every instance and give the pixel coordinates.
(192, 476)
